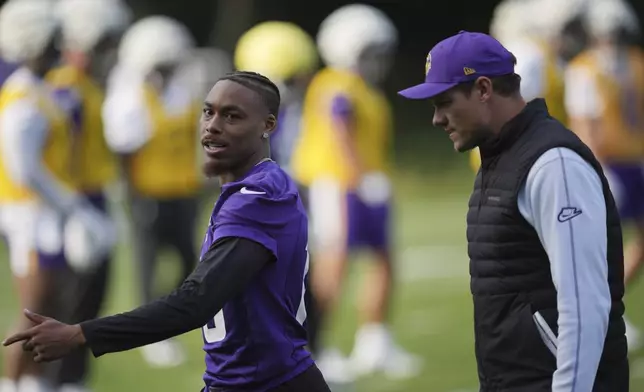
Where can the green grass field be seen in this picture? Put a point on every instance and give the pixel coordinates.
(432, 308)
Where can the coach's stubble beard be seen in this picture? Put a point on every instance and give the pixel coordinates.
(479, 137)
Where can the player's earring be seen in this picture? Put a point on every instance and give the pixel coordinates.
(265, 135)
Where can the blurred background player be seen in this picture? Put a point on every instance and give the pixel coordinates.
(203, 68)
(149, 116)
(543, 36)
(287, 55)
(36, 177)
(343, 158)
(91, 31)
(604, 100)
(6, 69)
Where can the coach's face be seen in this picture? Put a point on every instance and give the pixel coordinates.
(233, 120)
(464, 113)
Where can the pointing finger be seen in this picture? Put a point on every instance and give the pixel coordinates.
(18, 337)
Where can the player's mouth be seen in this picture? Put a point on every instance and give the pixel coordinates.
(212, 147)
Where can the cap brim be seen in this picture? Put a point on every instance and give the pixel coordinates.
(426, 90)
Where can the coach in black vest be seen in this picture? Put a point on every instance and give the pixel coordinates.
(544, 237)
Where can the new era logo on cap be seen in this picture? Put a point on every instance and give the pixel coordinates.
(461, 58)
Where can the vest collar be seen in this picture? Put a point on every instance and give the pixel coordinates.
(514, 128)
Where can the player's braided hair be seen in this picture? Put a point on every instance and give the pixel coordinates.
(261, 85)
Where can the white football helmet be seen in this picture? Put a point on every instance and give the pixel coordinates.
(202, 70)
(346, 33)
(549, 17)
(154, 41)
(606, 18)
(511, 20)
(84, 23)
(26, 28)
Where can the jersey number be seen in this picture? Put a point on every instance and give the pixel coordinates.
(301, 310)
(215, 330)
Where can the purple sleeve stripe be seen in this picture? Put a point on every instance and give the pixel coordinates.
(341, 107)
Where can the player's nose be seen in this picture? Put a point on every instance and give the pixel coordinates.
(211, 125)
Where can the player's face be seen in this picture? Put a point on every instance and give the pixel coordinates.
(465, 117)
(572, 40)
(375, 62)
(233, 121)
(293, 89)
(104, 56)
(162, 74)
(51, 55)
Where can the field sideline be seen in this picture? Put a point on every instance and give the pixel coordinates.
(433, 311)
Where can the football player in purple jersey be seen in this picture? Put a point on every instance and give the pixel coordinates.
(247, 293)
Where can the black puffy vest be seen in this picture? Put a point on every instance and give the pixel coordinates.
(510, 272)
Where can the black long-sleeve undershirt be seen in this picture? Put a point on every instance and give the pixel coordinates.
(225, 271)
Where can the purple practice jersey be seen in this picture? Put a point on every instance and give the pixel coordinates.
(257, 341)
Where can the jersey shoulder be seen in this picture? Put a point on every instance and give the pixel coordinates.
(64, 76)
(267, 193)
(271, 182)
(20, 89)
(584, 60)
(330, 82)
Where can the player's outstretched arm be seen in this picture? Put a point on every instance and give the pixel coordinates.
(224, 272)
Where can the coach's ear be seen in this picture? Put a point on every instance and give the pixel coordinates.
(484, 88)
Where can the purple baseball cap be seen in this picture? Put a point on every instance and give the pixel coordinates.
(461, 58)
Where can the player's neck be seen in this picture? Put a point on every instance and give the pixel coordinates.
(239, 173)
(158, 81)
(76, 60)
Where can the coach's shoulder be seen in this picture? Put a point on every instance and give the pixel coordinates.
(562, 157)
(561, 153)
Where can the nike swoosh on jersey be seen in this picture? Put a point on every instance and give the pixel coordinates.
(247, 191)
(567, 213)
